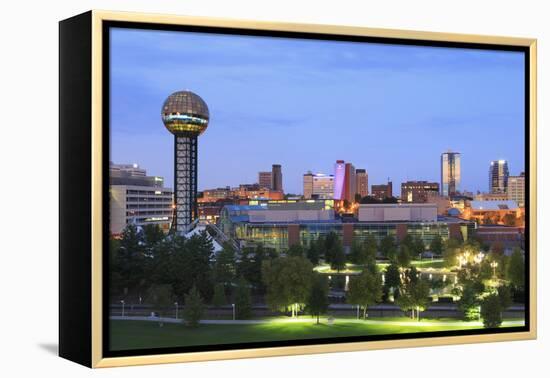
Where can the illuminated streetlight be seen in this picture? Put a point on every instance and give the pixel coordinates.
(176, 304)
(233, 305)
(478, 258)
(122, 302)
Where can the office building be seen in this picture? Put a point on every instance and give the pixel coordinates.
(450, 173)
(276, 178)
(318, 186)
(498, 176)
(516, 189)
(217, 194)
(382, 191)
(136, 198)
(264, 179)
(418, 191)
(186, 116)
(362, 182)
(345, 185)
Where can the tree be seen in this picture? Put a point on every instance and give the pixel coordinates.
(219, 299)
(469, 300)
(515, 271)
(288, 282)
(185, 263)
(505, 296)
(317, 302)
(491, 311)
(436, 245)
(388, 247)
(418, 247)
(365, 290)
(243, 305)
(338, 257)
(314, 251)
(451, 252)
(161, 297)
(194, 307)
(414, 294)
(334, 252)
(295, 250)
(392, 277)
(129, 262)
(225, 266)
(250, 266)
(364, 253)
(152, 234)
(404, 257)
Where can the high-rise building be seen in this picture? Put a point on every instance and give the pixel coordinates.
(339, 180)
(276, 178)
(516, 189)
(450, 173)
(186, 116)
(382, 191)
(362, 181)
(350, 183)
(318, 186)
(264, 179)
(345, 184)
(136, 198)
(418, 191)
(498, 176)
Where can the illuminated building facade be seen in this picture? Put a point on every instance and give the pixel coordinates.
(265, 180)
(186, 116)
(345, 185)
(136, 198)
(516, 189)
(498, 176)
(382, 191)
(248, 227)
(450, 173)
(362, 182)
(339, 180)
(318, 186)
(418, 191)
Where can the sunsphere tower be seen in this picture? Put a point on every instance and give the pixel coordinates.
(186, 116)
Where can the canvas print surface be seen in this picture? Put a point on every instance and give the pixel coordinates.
(283, 191)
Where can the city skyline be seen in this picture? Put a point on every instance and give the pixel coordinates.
(462, 99)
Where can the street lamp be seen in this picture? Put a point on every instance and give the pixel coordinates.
(478, 258)
(233, 305)
(122, 302)
(176, 304)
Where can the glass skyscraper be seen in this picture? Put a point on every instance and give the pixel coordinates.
(450, 173)
(498, 176)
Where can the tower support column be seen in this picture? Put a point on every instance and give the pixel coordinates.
(185, 181)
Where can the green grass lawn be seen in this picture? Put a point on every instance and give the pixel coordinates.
(133, 334)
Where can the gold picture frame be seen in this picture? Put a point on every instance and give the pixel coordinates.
(89, 329)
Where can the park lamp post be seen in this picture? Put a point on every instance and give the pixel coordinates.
(478, 258)
(233, 306)
(122, 302)
(176, 304)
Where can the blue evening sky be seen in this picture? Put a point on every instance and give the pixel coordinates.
(304, 104)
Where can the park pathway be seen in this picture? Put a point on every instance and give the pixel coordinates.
(305, 319)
